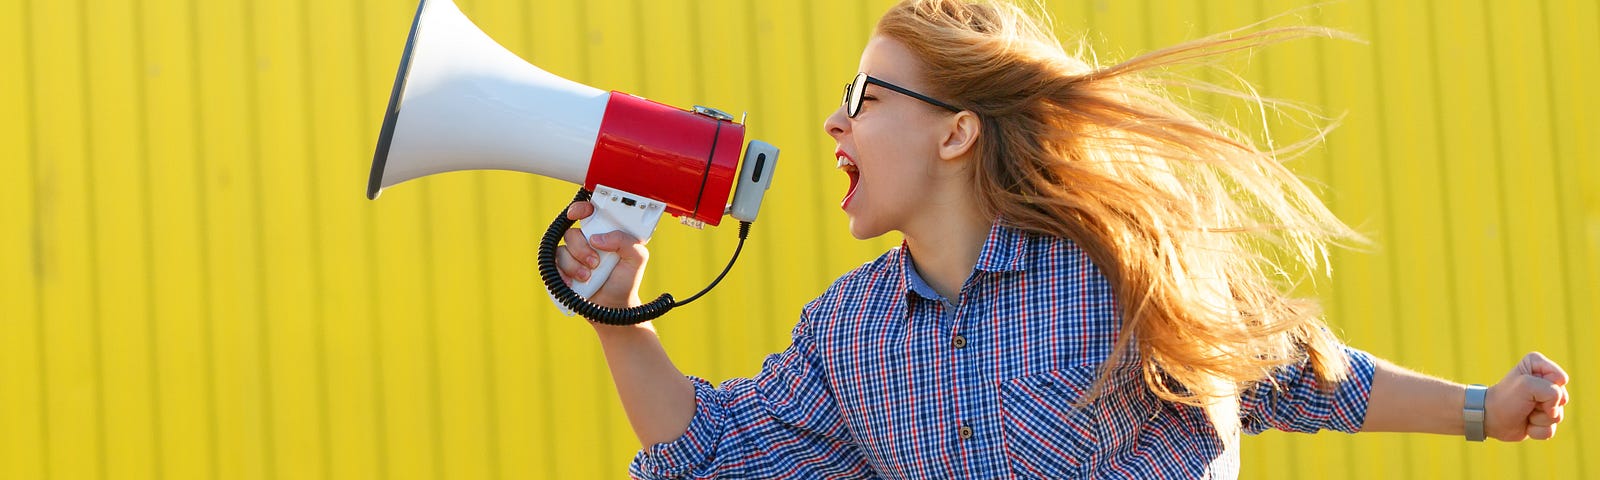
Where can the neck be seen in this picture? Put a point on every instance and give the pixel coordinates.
(945, 248)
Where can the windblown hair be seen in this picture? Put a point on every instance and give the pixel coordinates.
(1183, 214)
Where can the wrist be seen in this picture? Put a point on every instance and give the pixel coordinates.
(612, 331)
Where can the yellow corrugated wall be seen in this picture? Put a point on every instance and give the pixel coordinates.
(193, 286)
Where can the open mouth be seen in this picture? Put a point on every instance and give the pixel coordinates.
(849, 168)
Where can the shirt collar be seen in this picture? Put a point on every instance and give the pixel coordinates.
(1002, 252)
(917, 285)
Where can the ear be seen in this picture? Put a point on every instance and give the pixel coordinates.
(960, 136)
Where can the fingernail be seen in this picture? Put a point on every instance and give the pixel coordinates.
(593, 261)
(583, 274)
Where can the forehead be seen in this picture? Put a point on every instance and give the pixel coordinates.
(890, 60)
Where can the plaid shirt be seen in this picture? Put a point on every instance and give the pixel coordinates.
(885, 378)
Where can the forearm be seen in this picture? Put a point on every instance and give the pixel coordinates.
(657, 397)
(1407, 401)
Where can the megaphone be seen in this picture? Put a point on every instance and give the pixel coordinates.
(461, 101)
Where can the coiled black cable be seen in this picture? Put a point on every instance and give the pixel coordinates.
(608, 315)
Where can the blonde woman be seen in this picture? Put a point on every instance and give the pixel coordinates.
(1080, 291)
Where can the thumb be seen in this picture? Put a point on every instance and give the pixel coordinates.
(629, 249)
(1536, 364)
(622, 286)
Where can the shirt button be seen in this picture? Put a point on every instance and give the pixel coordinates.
(965, 432)
(959, 341)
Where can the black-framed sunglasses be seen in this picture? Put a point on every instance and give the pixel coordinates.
(856, 88)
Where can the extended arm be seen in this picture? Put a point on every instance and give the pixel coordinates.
(1526, 403)
(658, 399)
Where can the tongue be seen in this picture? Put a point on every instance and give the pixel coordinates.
(855, 178)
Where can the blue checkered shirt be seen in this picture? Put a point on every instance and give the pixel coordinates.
(885, 378)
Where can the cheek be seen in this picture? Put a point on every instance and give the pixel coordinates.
(894, 145)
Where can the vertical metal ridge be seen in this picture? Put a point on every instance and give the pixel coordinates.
(1148, 36)
(1321, 48)
(203, 214)
(1380, 96)
(370, 223)
(1089, 22)
(1452, 283)
(314, 234)
(36, 243)
(430, 309)
(1500, 159)
(1569, 276)
(152, 330)
(267, 422)
(1500, 156)
(96, 312)
(491, 389)
(808, 45)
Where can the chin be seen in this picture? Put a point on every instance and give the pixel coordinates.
(865, 230)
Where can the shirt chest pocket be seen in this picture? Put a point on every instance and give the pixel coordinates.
(1045, 436)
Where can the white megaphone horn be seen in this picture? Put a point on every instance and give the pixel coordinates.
(461, 101)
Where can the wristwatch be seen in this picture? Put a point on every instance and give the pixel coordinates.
(1472, 412)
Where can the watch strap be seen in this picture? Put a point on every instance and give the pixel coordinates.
(1472, 412)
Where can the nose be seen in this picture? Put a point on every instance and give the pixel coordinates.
(837, 123)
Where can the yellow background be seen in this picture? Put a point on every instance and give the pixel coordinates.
(192, 284)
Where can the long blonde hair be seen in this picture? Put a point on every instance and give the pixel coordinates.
(1180, 212)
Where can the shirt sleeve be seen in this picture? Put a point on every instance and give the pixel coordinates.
(781, 423)
(1297, 403)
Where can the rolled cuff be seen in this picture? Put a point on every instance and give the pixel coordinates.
(678, 458)
(1353, 395)
(1294, 401)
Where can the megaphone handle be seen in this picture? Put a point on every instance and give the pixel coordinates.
(567, 299)
(615, 210)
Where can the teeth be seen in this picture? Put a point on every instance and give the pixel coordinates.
(844, 161)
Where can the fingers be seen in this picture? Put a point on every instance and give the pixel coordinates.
(1541, 418)
(1541, 433)
(1547, 410)
(569, 267)
(580, 249)
(579, 210)
(630, 251)
(1542, 424)
(581, 254)
(1548, 398)
(1543, 391)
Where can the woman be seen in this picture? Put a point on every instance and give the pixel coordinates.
(1080, 291)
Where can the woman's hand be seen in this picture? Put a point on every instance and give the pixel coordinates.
(1527, 402)
(579, 254)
